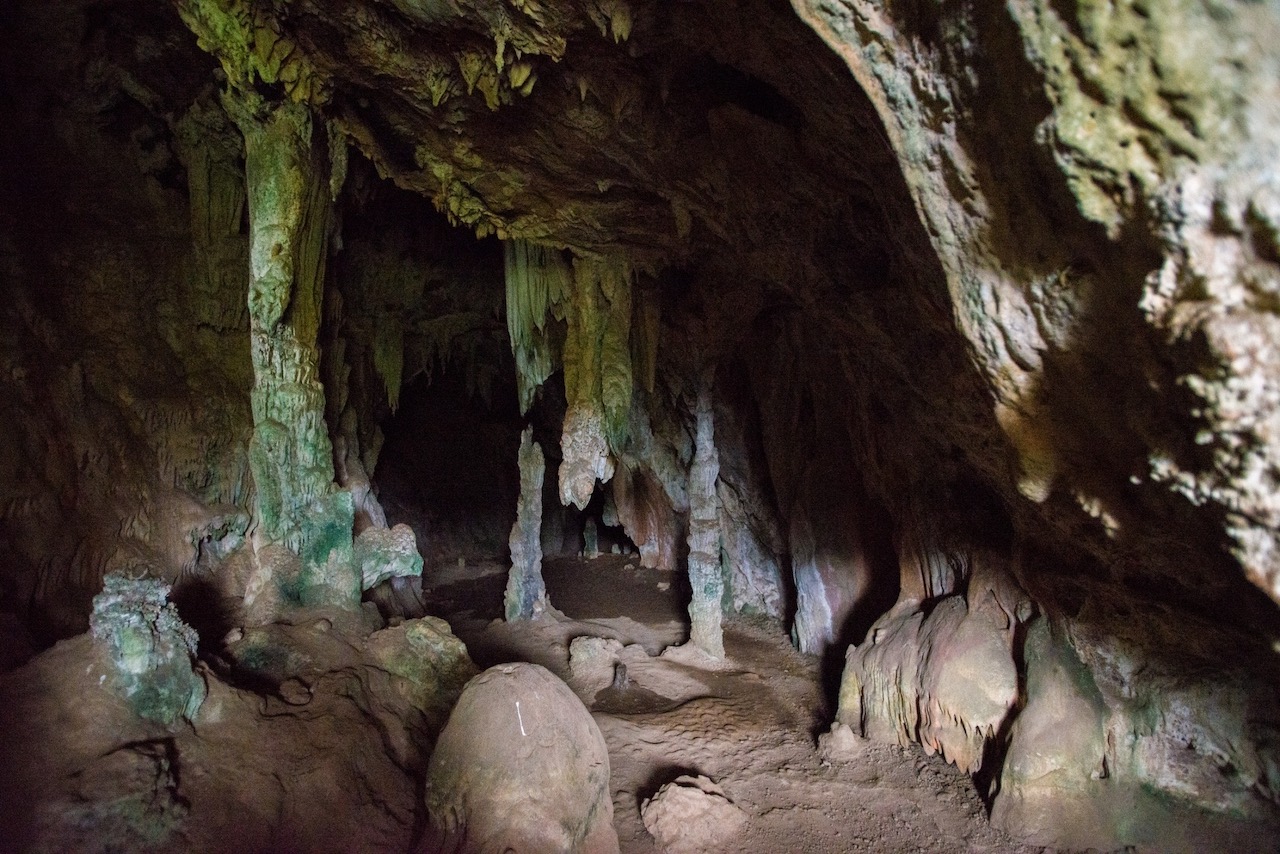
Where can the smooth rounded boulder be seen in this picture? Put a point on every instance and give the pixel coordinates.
(522, 767)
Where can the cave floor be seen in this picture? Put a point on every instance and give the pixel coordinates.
(750, 723)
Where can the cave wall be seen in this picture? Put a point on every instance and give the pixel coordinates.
(1095, 183)
(125, 351)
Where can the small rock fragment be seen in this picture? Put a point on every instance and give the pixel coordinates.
(841, 744)
(691, 815)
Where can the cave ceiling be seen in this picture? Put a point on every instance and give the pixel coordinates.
(664, 130)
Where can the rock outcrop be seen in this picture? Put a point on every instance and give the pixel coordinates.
(312, 736)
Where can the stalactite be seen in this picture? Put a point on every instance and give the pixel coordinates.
(538, 281)
(594, 299)
(645, 327)
(598, 346)
(388, 358)
(597, 375)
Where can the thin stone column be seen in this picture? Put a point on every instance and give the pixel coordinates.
(704, 532)
(526, 596)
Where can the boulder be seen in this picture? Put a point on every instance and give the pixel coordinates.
(386, 553)
(520, 767)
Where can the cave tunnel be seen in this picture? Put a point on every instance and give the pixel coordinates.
(815, 426)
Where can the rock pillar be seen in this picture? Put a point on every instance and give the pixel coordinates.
(296, 503)
(526, 595)
(704, 533)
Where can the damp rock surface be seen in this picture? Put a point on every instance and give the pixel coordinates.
(387, 553)
(311, 737)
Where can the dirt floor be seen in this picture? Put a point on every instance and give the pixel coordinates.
(750, 723)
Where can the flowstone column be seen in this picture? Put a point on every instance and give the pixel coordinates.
(705, 577)
(296, 504)
(526, 596)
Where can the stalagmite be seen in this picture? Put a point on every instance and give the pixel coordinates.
(526, 596)
(704, 533)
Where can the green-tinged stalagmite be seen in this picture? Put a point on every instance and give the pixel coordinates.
(147, 648)
(290, 454)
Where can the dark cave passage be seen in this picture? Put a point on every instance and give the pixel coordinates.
(447, 468)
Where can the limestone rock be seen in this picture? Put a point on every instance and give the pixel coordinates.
(1106, 758)
(691, 815)
(592, 662)
(526, 594)
(329, 759)
(646, 514)
(522, 767)
(705, 576)
(128, 800)
(1051, 787)
(586, 457)
(149, 648)
(841, 744)
(433, 663)
(945, 678)
(386, 553)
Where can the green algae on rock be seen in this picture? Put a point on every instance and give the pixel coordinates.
(149, 648)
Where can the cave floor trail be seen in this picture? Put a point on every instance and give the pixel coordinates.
(750, 723)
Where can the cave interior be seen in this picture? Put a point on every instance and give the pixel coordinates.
(861, 417)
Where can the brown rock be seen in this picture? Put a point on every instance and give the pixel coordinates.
(691, 815)
(520, 767)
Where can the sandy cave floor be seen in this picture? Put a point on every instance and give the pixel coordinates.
(750, 723)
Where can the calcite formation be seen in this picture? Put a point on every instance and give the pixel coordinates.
(946, 680)
(526, 595)
(149, 652)
(705, 576)
(291, 454)
(386, 553)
